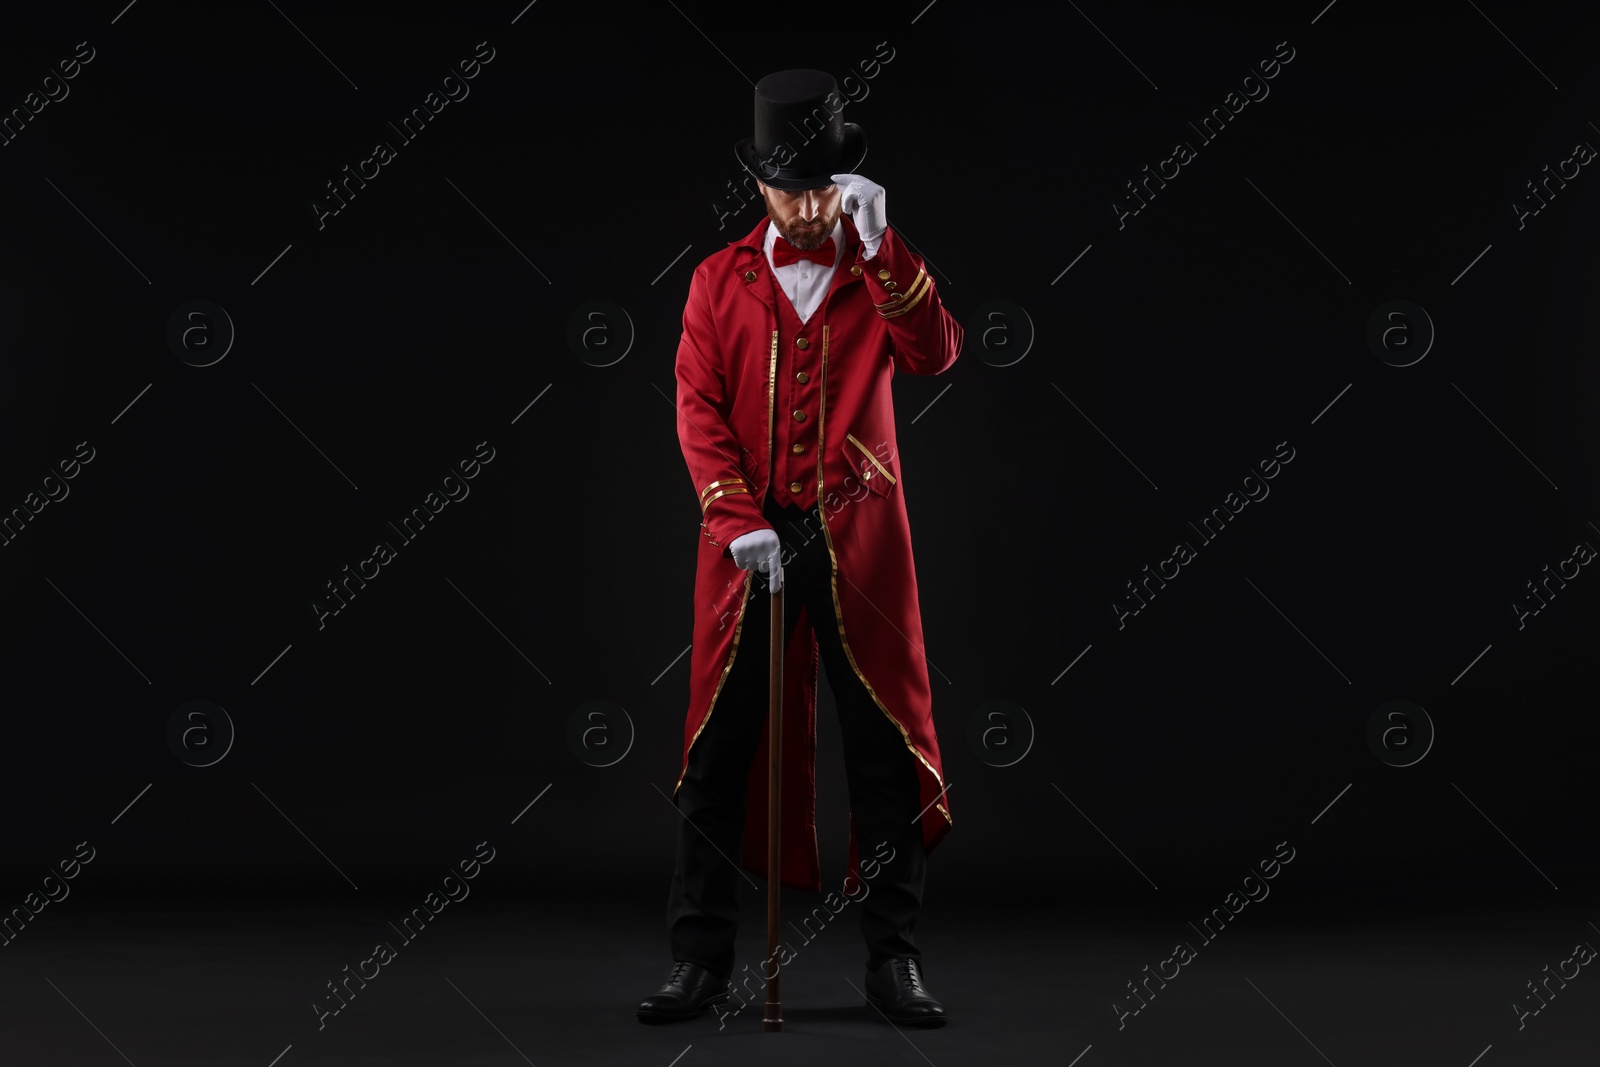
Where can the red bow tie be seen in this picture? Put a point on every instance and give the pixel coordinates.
(784, 253)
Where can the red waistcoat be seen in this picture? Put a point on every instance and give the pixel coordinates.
(743, 411)
(794, 428)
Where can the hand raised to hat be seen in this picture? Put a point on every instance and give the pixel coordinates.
(862, 199)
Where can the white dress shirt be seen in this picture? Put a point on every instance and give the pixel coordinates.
(805, 283)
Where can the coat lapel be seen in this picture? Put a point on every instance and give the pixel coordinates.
(751, 270)
(842, 275)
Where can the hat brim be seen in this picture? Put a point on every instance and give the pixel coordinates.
(851, 153)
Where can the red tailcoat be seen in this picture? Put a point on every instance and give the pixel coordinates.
(879, 316)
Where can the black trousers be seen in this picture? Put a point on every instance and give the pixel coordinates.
(703, 907)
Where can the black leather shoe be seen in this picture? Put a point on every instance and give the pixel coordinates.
(690, 991)
(896, 989)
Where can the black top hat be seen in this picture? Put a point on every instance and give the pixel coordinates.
(800, 140)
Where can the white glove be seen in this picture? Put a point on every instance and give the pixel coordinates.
(862, 200)
(758, 550)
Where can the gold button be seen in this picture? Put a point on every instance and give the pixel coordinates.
(802, 344)
(856, 271)
(799, 416)
(802, 377)
(897, 296)
(798, 449)
(749, 275)
(794, 487)
(866, 475)
(890, 285)
(883, 275)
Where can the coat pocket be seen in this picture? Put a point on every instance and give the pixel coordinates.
(875, 470)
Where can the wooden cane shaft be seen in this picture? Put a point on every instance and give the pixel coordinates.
(773, 1020)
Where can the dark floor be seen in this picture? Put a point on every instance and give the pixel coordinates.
(218, 983)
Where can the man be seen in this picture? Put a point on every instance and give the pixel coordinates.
(786, 421)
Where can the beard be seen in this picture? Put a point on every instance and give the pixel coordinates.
(805, 235)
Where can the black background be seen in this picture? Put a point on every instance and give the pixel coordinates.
(425, 716)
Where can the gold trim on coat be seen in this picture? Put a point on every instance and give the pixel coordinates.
(898, 299)
(772, 392)
(881, 468)
(738, 625)
(721, 492)
(833, 581)
(720, 481)
(913, 294)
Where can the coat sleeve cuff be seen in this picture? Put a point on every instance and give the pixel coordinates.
(728, 509)
(896, 278)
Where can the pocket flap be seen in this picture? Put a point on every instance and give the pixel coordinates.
(875, 469)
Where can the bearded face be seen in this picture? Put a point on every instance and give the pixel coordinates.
(806, 218)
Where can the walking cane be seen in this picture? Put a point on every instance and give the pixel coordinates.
(772, 1022)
